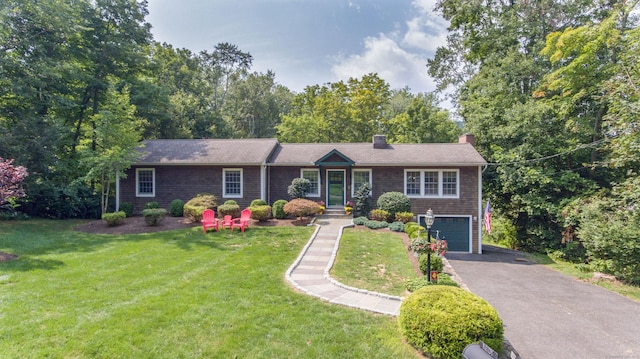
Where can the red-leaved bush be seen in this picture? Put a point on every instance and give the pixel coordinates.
(300, 207)
(11, 178)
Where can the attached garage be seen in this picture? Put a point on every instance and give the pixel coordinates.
(456, 230)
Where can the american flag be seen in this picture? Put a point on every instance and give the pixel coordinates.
(487, 217)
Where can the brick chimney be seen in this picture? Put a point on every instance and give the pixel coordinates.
(467, 138)
(380, 141)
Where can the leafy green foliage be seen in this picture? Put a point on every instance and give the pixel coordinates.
(127, 208)
(360, 221)
(373, 224)
(361, 199)
(379, 215)
(395, 226)
(394, 202)
(414, 284)
(154, 216)
(114, 219)
(301, 207)
(299, 188)
(258, 202)
(151, 205)
(260, 212)
(443, 320)
(194, 207)
(278, 209)
(436, 263)
(229, 208)
(176, 208)
(404, 217)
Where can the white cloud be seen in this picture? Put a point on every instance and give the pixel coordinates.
(393, 64)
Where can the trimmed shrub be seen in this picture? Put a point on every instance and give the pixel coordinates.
(114, 219)
(229, 208)
(379, 215)
(176, 208)
(360, 220)
(151, 205)
(361, 199)
(436, 263)
(416, 283)
(194, 207)
(258, 202)
(373, 224)
(299, 188)
(404, 217)
(443, 320)
(394, 202)
(413, 230)
(300, 207)
(278, 209)
(396, 226)
(154, 216)
(127, 208)
(260, 212)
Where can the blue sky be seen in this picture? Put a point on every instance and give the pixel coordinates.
(309, 42)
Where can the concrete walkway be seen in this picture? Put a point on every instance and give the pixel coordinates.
(310, 272)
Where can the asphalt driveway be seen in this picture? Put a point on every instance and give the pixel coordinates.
(547, 314)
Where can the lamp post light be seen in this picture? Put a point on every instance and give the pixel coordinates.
(428, 220)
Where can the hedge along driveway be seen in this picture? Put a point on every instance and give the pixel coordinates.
(172, 294)
(548, 314)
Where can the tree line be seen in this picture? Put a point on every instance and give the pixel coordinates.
(83, 82)
(550, 89)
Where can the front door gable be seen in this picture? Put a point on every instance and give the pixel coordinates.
(334, 158)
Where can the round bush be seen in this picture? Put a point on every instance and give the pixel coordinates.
(258, 202)
(194, 207)
(360, 221)
(373, 224)
(404, 217)
(151, 205)
(114, 219)
(278, 209)
(394, 202)
(261, 212)
(379, 215)
(443, 320)
(301, 207)
(176, 208)
(127, 208)
(229, 208)
(299, 188)
(396, 226)
(154, 216)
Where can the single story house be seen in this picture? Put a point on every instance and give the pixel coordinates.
(444, 177)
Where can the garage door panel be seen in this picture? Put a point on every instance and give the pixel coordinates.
(455, 230)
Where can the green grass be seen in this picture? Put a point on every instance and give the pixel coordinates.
(571, 269)
(373, 260)
(176, 294)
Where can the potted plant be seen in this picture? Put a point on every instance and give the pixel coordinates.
(348, 207)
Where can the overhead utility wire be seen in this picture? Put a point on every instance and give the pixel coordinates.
(592, 144)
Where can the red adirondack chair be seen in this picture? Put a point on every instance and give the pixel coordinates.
(227, 222)
(209, 220)
(243, 221)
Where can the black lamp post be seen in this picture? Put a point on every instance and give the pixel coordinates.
(428, 220)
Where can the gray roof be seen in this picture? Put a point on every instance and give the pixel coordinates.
(207, 151)
(363, 154)
(268, 150)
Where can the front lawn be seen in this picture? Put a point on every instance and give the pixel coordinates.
(177, 294)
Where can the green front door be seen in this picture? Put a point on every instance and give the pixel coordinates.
(335, 188)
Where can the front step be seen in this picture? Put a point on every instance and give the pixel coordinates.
(334, 213)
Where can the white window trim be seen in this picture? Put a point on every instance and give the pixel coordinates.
(316, 170)
(224, 183)
(153, 181)
(440, 184)
(353, 183)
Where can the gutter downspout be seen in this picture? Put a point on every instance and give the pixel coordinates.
(117, 191)
(480, 215)
(263, 181)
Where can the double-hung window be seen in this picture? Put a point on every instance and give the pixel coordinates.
(232, 182)
(358, 178)
(432, 183)
(313, 175)
(145, 182)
